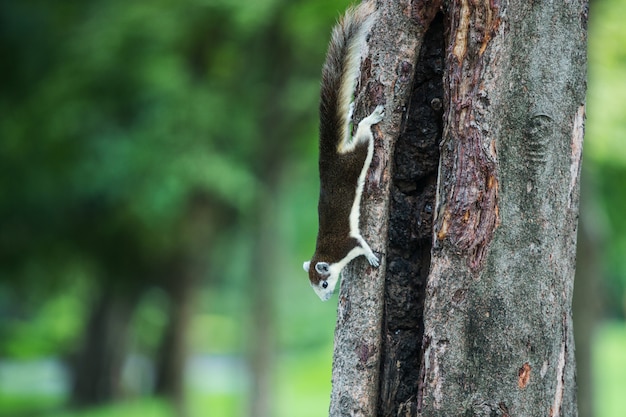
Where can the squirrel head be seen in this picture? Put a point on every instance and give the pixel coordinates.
(323, 278)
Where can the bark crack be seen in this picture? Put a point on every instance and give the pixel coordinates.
(555, 410)
(416, 159)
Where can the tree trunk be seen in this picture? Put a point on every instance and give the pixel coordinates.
(592, 235)
(97, 368)
(263, 329)
(487, 331)
(170, 381)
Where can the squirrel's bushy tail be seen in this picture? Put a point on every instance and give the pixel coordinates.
(340, 72)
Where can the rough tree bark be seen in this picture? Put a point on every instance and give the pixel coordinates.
(470, 310)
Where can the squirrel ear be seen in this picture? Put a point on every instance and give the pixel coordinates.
(306, 266)
(322, 268)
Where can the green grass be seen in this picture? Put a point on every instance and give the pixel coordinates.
(11, 405)
(52, 407)
(145, 407)
(609, 365)
(303, 384)
(215, 405)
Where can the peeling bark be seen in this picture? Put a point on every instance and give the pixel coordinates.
(469, 217)
(470, 311)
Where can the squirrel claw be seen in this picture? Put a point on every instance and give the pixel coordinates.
(373, 260)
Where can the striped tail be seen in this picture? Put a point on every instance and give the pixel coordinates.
(339, 74)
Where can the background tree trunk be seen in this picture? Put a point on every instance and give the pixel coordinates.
(97, 367)
(592, 235)
(495, 333)
(262, 357)
(170, 378)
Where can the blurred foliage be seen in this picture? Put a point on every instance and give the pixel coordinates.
(132, 133)
(609, 363)
(119, 117)
(605, 144)
(606, 95)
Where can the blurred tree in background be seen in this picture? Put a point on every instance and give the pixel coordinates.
(114, 165)
(158, 166)
(144, 149)
(606, 144)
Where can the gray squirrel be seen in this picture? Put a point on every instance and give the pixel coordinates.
(343, 160)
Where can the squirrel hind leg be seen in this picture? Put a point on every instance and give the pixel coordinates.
(375, 117)
(363, 132)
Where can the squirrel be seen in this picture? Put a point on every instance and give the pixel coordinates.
(343, 160)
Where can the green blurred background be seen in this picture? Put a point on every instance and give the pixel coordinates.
(158, 193)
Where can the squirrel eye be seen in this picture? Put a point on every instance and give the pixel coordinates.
(324, 284)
